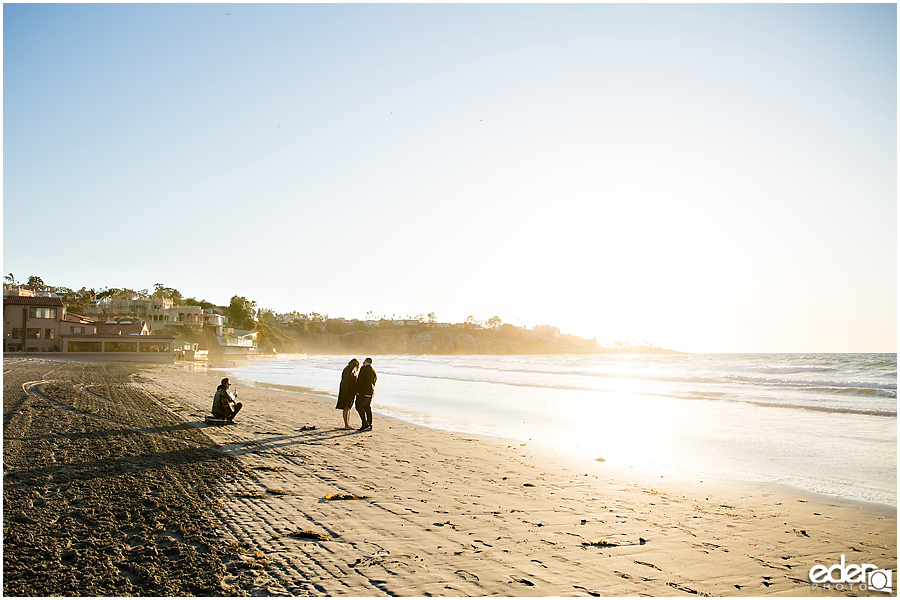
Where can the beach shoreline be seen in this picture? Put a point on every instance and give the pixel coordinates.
(573, 461)
(750, 418)
(439, 513)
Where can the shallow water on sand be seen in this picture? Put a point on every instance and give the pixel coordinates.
(826, 422)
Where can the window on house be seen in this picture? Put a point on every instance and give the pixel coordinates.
(49, 334)
(154, 346)
(17, 333)
(78, 329)
(120, 347)
(33, 333)
(41, 313)
(85, 346)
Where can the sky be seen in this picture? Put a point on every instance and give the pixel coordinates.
(707, 177)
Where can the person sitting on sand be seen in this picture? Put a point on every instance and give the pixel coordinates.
(347, 391)
(224, 402)
(365, 389)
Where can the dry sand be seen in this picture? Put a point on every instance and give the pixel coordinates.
(437, 513)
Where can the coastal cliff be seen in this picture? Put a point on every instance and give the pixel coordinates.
(385, 338)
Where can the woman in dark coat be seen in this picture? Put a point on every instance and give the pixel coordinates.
(348, 390)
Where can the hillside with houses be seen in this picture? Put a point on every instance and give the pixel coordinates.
(88, 320)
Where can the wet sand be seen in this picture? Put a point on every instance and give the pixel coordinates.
(111, 472)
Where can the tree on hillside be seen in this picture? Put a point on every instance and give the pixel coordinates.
(471, 322)
(201, 303)
(77, 303)
(161, 291)
(316, 322)
(337, 327)
(494, 322)
(431, 317)
(10, 279)
(35, 284)
(241, 312)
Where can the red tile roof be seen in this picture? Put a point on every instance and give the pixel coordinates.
(119, 328)
(32, 300)
(106, 336)
(82, 320)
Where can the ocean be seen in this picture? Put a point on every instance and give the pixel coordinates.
(822, 422)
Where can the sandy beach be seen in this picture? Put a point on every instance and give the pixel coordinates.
(113, 485)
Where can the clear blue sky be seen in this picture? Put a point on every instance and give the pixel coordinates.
(707, 177)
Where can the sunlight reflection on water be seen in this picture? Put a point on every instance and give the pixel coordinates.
(756, 417)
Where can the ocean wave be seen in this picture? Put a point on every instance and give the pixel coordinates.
(729, 379)
(794, 370)
(874, 412)
(554, 371)
(699, 395)
(858, 391)
(794, 383)
(853, 410)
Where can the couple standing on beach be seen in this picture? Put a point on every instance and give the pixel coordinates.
(360, 387)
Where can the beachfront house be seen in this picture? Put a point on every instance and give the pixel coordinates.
(16, 291)
(214, 319)
(239, 341)
(123, 328)
(41, 324)
(158, 312)
(32, 324)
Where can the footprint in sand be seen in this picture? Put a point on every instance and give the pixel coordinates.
(462, 574)
(682, 588)
(172, 554)
(591, 592)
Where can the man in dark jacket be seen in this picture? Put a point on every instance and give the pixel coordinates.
(365, 389)
(224, 405)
